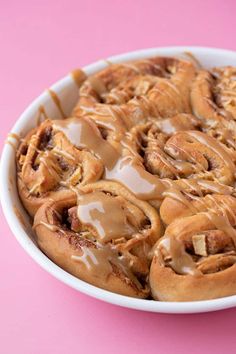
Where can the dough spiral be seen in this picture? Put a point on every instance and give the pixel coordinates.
(108, 249)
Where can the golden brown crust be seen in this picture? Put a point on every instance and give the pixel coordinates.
(168, 286)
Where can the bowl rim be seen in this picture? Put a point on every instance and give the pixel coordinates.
(30, 247)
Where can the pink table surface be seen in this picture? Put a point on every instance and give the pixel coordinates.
(40, 41)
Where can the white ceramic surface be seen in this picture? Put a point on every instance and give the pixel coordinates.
(67, 90)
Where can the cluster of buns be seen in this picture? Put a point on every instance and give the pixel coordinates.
(135, 191)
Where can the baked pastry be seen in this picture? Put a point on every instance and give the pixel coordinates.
(135, 191)
(213, 98)
(48, 162)
(102, 237)
(196, 258)
(134, 91)
(213, 94)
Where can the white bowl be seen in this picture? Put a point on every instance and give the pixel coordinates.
(67, 90)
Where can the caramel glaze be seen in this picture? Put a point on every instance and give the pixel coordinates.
(78, 76)
(15, 137)
(102, 260)
(57, 102)
(42, 115)
(11, 144)
(192, 57)
(105, 214)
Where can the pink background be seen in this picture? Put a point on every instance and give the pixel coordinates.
(40, 41)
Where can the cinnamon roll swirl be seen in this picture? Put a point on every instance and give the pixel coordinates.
(183, 160)
(103, 237)
(213, 98)
(196, 258)
(48, 163)
(132, 92)
(213, 94)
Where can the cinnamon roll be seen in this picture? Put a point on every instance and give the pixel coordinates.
(196, 258)
(183, 160)
(213, 94)
(103, 237)
(135, 191)
(132, 92)
(48, 163)
(213, 97)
